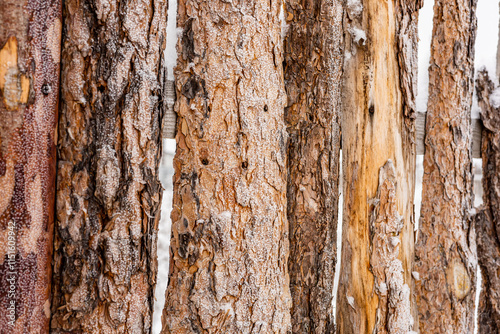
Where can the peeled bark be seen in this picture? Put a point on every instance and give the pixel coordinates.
(446, 251)
(488, 219)
(229, 247)
(378, 144)
(108, 191)
(30, 36)
(313, 77)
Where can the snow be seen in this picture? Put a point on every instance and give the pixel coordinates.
(355, 7)
(166, 174)
(358, 35)
(173, 33)
(424, 53)
(495, 98)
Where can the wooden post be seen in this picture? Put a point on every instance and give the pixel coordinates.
(378, 134)
(313, 80)
(445, 255)
(109, 149)
(30, 38)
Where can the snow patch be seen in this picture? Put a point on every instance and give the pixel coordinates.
(358, 35)
(495, 98)
(354, 7)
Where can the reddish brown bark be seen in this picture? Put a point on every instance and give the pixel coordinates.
(108, 192)
(30, 34)
(313, 80)
(488, 219)
(445, 251)
(229, 246)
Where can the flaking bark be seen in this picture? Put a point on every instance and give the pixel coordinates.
(446, 251)
(313, 80)
(30, 38)
(108, 191)
(378, 125)
(229, 247)
(487, 221)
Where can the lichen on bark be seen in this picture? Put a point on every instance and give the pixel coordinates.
(108, 191)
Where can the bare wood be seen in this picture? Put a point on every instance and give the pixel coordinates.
(445, 251)
(30, 36)
(378, 125)
(488, 219)
(108, 191)
(313, 80)
(229, 247)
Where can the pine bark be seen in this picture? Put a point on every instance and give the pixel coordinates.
(487, 221)
(108, 191)
(30, 36)
(446, 251)
(313, 80)
(378, 146)
(229, 247)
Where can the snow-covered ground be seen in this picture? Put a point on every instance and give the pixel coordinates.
(485, 56)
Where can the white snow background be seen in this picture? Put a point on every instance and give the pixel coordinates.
(485, 56)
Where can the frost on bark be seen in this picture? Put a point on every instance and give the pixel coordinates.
(30, 36)
(488, 219)
(313, 80)
(229, 248)
(445, 251)
(378, 125)
(108, 192)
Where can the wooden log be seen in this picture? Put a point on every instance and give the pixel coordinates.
(30, 41)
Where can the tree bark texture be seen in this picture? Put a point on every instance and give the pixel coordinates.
(108, 191)
(488, 219)
(30, 39)
(313, 80)
(229, 248)
(446, 251)
(378, 142)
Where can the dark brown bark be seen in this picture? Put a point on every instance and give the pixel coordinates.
(446, 251)
(108, 192)
(313, 80)
(229, 247)
(378, 135)
(488, 219)
(30, 36)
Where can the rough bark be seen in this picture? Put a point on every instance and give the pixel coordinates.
(445, 251)
(229, 246)
(313, 80)
(498, 49)
(488, 219)
(108, 191)
(30, 36)
(378, 124)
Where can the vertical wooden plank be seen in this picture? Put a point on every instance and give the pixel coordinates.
(30, 36)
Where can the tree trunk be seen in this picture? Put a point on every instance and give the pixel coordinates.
(488, 219)
(313, 73)
(108, 191)
(30, 36)
(378, 136)
(445, 251)
(229, 248)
